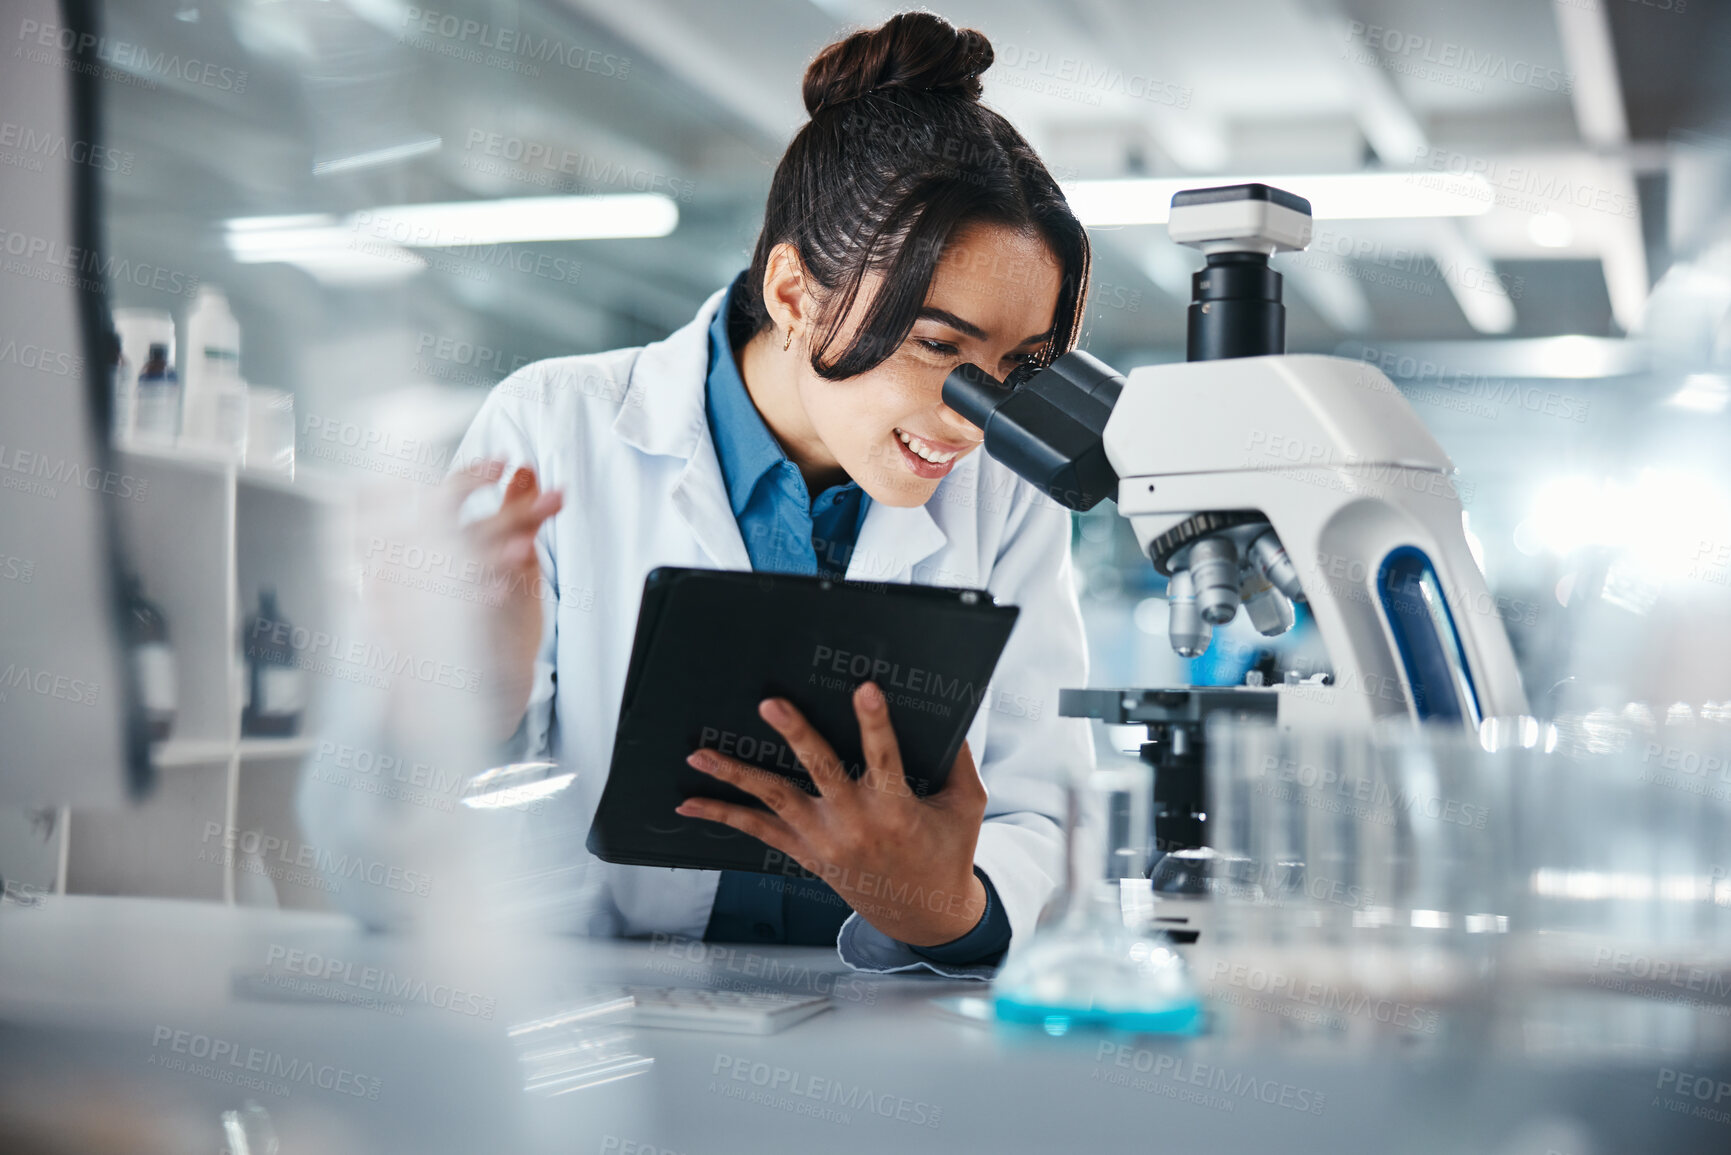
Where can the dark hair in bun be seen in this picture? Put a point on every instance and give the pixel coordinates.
(899, 153)
(914, 51)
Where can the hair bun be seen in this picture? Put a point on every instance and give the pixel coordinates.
(916, 51)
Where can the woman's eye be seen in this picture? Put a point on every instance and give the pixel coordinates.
(1020, 358)
(940, 348)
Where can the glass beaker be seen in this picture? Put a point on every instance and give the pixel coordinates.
(1085, 968)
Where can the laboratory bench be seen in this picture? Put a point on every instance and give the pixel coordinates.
(144, 1025)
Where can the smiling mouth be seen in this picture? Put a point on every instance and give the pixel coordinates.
(927, 451)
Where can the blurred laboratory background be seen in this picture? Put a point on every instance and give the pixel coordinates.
(338, 206)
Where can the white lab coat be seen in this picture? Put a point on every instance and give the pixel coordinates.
(624, 436)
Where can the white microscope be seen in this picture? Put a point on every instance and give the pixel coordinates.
(1259, 479)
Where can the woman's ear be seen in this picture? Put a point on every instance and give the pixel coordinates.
(785, 293)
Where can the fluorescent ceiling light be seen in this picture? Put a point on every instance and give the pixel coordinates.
(254, 244)
(1334, 197)
(492, 222)
(262, 224)
(372, 245)
(330, 253)
(372, 158)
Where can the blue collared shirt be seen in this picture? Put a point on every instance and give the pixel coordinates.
(787, 531)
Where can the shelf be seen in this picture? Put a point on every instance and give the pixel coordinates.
(205, 534)
(194, 459)
(204, 752)
(312, 485)
(273, 749)
(189, 752)
(311, 488)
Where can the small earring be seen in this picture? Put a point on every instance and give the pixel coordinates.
(788, 340)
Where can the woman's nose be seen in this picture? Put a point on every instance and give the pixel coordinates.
(958, 426)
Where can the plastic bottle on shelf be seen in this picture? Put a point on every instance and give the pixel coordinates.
(214, 412)
(152, 658)
(157, 403)
(147, 390)
(230, 401)
(123, 391)
(276, 685)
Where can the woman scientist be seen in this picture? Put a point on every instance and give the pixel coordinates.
(796, 425)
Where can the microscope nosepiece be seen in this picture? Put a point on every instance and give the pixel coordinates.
(1186, 630)
(1213, 567)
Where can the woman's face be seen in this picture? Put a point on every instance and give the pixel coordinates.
(992, 301)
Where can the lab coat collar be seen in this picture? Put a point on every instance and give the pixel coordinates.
(664, 414)
(891, 540)
(663, 411)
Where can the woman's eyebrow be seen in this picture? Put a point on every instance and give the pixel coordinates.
(933, 313)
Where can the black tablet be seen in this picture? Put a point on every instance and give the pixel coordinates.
(712, 644)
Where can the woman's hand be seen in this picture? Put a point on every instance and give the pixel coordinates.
(905, 863)
(504, 544)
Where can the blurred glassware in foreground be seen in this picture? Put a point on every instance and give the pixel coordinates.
(584, 1042)
(1085, 968)
(249, 1131)
(1424, 862)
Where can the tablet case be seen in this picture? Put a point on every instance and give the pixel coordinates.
(711, 644)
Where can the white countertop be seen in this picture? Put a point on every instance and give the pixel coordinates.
(131, 1024)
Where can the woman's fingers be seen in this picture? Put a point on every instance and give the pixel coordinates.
(508, 532)
(774, 791)
(526, 511)
(766, 828)
(520, 519)
(964, 786)
(815, 754)
(460, 484)
(883, 755)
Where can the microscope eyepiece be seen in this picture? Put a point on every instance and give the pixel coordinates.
(1046, 424)
(975, 393)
